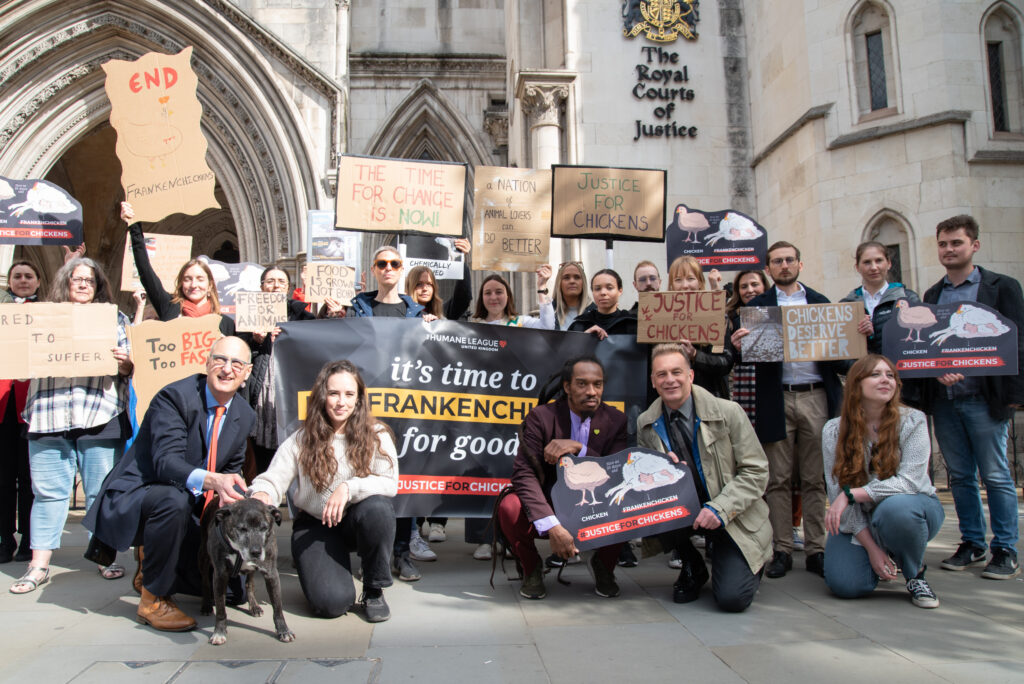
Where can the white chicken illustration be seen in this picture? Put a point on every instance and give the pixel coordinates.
(734, 228)
(970, 322)
(6, 191)
(248, 279)
(153, 141)
(44, 199)
(643, 472)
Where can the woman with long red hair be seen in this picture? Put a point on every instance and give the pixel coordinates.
(884, 510)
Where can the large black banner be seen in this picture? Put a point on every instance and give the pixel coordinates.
(454, 393)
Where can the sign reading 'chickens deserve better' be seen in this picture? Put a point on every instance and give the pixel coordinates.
(928, 341)
(634, 493)
(728, 240)
(37, 212)
(155, 111)
(811, 332)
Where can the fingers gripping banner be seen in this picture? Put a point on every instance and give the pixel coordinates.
(455, 395)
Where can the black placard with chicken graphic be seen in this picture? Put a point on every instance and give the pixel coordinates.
(728, 240)
(37, 212)
(634, 493)
(928, 341)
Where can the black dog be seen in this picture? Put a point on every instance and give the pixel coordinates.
(240, 538)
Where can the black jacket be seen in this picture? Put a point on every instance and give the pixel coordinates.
(621, 322)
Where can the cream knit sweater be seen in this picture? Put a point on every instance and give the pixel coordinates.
(284, 470)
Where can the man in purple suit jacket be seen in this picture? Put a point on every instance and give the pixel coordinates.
(579, 425)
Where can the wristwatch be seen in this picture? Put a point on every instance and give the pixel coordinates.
(544, 291)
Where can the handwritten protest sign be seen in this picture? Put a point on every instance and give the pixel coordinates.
(232, 278)
(260, 311)
(165, 352)
(823, 332)
(48, 340)
(928, 341)
(155, 111)
(608, 203)
(727, 240)
(330, 279)
(400, 195)
(672, 316)
(512, 222)
(167, 253)
(37, 212)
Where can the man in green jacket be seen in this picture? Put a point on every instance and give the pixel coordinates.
(715, 439)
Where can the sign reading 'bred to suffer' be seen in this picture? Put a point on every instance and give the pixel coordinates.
(608, 203)
(398, 195)
(512, 224)
(57, 340)
(673, 316)
(154, 109)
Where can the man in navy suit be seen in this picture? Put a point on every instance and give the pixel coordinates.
(152, 495)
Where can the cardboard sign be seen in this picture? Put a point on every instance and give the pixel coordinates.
(436, 253)
(512, 221)
(928, 341)
(608, 204)
(766, 340)
(634, 493)
(672, 316)
(232, 279)
(260, 311)
(823, 332)
(324, 242)
(37, 212)
(64, 340)
(330, 279)
(165, 352)
(167, 254)
(727, 240)
(400, 195)
(155, 111)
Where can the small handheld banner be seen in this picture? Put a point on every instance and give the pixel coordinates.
(165, 352)
(400, 195)
(671, 316)
(928, 341)
(330, 279)
(512, 218)
(167, 253)
(260, 311)
(809, 332)
(324, 242)
(727, 240)
(608, 203)
(50, 340)
(634, 493)
(37, 212)
(436, 253)
(232, 279)
(155, 111)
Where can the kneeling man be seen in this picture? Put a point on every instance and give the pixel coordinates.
(191, 446)
(715, 439)
(579, 425)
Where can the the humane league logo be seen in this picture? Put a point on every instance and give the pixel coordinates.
(469, 343)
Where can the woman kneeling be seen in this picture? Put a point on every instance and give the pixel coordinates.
(884, 510)
(346, 470)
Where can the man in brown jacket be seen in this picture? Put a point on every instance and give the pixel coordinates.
(577, 425)
(715, 439)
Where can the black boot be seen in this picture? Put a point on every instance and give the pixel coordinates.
(692, 576)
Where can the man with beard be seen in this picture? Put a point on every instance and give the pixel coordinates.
(576, 425)
(793, 402)
(645, 279)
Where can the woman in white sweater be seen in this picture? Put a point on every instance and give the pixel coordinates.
(344, 470)
(884, 510)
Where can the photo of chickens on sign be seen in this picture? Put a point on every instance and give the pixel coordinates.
(37, 212)
(727, 240)
(928, 341)
(634, 493)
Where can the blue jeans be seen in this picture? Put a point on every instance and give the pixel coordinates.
(904, 524)
(971, 441)
(53, 461)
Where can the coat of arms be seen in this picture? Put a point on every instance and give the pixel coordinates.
(661, 20)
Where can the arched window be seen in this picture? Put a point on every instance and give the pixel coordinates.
(1003, 69)
(892, 231)
(874, 61)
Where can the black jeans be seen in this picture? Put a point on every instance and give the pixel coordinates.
(322, 554)
(15, 479)
(732, 583)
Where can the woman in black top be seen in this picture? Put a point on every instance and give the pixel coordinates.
(605, 317)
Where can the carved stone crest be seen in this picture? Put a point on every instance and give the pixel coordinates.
(660, 20)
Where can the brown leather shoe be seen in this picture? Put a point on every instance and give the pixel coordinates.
(137, 580)
(160, 612)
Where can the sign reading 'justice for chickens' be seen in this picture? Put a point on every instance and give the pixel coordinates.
(634, 493)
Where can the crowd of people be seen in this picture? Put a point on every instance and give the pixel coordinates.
(830, 457)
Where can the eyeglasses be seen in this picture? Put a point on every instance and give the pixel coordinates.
(78, 280)
(783, 260)
(219, 361)
(648, 279)
(384, 263)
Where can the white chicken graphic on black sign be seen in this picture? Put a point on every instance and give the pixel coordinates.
(643, 472)
(970, 322)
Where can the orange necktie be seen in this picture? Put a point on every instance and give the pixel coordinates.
(211, 459)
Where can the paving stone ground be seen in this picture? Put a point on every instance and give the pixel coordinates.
(453, 627)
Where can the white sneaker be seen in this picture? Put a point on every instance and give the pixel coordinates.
(436, 533)
(419, 549)
(482, 552)
(798, 543)
(675, 562)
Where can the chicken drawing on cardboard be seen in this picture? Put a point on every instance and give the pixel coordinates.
(153, 140)
(970, 322)
(583, 477)
(644, 472)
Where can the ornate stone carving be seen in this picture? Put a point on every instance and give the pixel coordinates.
(542, 103)
(496, 125)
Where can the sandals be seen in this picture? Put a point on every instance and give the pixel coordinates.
(32, 584)
(112, 571)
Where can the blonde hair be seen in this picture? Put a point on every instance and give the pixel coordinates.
(684, 265)
(561, 308)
